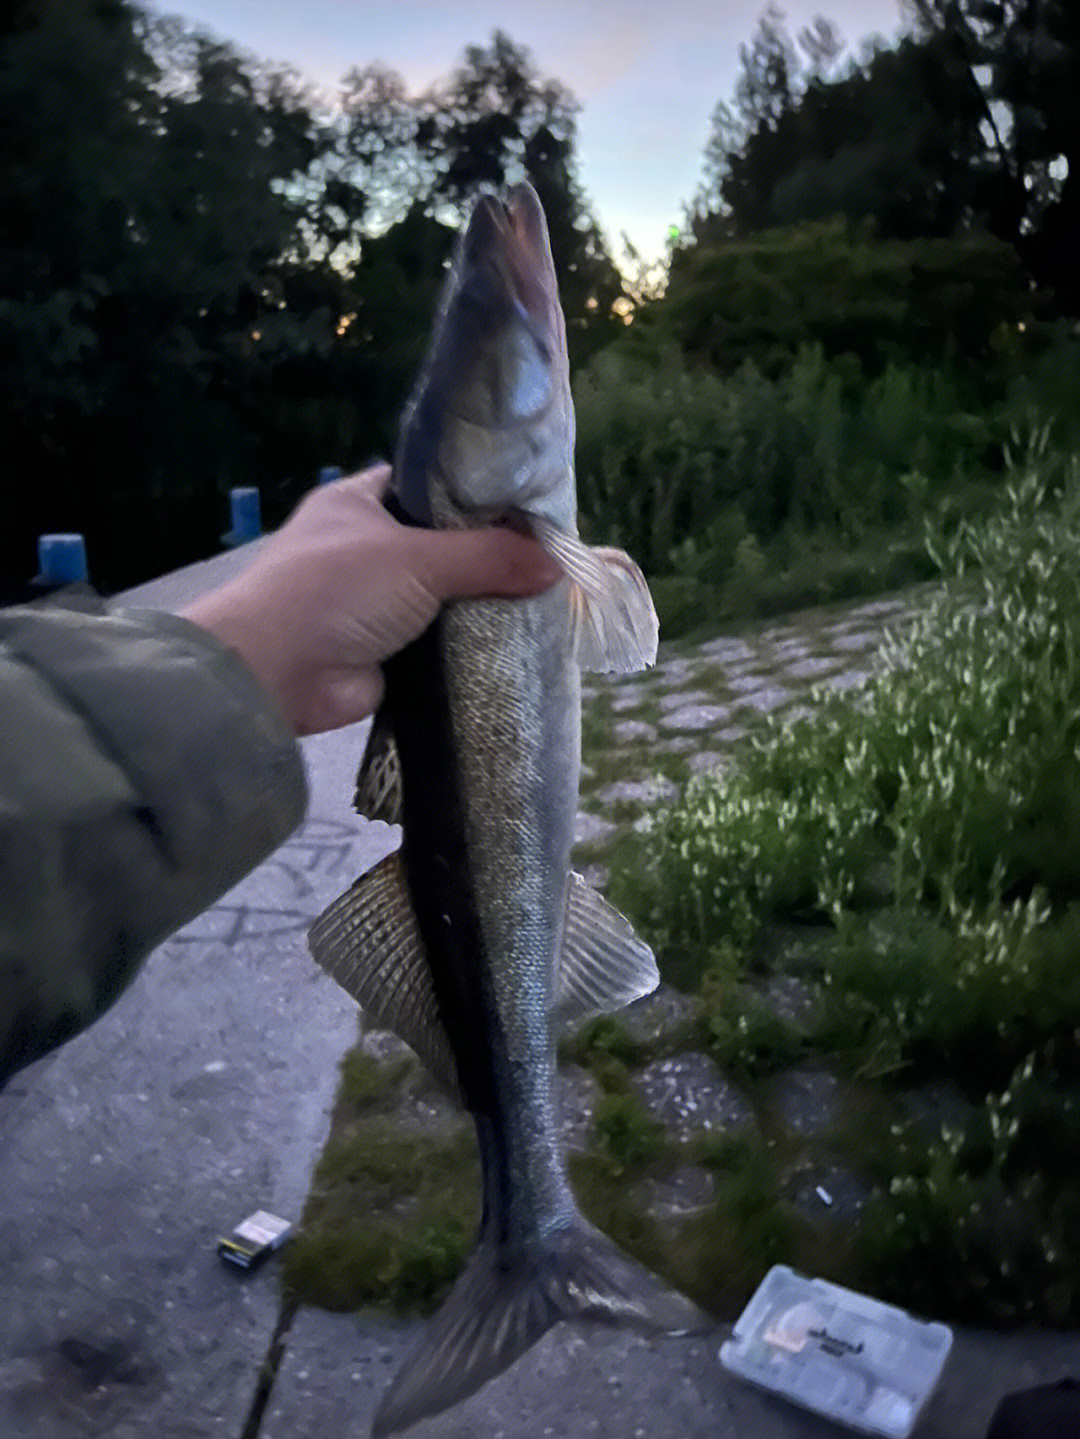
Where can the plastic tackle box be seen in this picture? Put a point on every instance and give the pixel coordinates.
(864, 1364)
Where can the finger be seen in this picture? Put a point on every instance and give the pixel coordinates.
(468, 564)
(371, 483)
(341, 697)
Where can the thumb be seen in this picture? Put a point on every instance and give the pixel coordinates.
(469, 564)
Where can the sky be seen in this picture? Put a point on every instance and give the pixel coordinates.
(647, 73)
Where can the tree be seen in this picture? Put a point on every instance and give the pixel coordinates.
(145, 171)
(835, 285)
(897, 138)
(1025, 57)
(772, 79)
(492, 122)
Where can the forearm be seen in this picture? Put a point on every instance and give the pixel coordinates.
(143, 773)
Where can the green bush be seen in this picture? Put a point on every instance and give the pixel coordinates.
(746, 494)
(833, 284)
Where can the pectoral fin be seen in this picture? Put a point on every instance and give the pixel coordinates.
(615, 625)
(603, 965)
(368, 940)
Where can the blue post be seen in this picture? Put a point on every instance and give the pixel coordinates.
(62, 560)
(246, 516)
(329, 473)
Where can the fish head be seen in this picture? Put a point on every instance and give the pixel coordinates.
(489, 433)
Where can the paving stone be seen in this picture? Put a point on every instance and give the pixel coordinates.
(696, 717)
(596, 875)
(675, 698)
(681, 1194)
(732, 733)
(677, 671)
(812, 666)
(857, 640)
(689, 1094)
(848, 680)
(633, 730)
(676, 744)
(877, 609)
(623, 702)
(819, 1189)
(745, 683)
(727, 650)
(644, 791)
(591, 829)
(790, 651)
(789, 998)
(807, 1099)
(767, 699)
(710, 762)
(576, 1095)
(660, 1013)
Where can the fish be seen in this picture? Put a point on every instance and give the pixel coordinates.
(475, 940)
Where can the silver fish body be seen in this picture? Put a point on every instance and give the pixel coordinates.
(476, 936)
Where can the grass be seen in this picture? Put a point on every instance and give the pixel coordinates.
(391, 1213)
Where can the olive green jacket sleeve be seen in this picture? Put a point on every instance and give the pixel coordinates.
(143, 772)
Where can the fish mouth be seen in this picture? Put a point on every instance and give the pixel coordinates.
(510, 234)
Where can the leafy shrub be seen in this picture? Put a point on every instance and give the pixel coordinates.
(753, 494)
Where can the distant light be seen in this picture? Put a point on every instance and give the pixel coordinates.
(1021, 326)
(673, 233)
(256, 334)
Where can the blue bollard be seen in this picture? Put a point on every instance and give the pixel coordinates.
(61, 560)
(246, 516)
(329, 473)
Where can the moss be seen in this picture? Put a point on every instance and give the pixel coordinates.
(601, 1038)
(627, 1135)
(366, 1081)
(391, 1213)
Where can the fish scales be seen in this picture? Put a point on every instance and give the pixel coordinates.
(476, 939)
(515, 704)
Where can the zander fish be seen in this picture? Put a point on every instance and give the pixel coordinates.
(475, 939)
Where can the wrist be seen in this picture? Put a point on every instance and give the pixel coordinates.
(229, 619)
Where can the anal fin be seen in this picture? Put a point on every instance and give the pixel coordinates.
(368, 940)
(603, 965)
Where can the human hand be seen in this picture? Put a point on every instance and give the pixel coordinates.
(342, 586)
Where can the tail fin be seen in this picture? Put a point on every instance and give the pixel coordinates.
(507, 1298)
